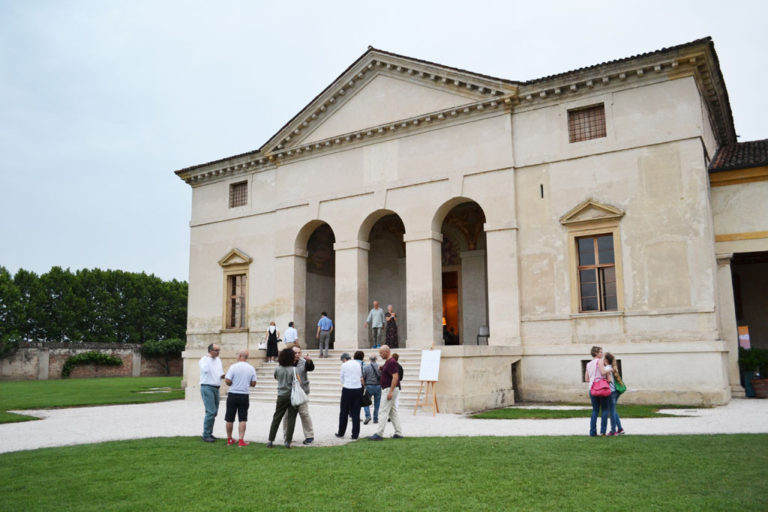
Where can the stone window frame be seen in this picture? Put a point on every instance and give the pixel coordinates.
(236, 263)
(238, 194)
(600, 219)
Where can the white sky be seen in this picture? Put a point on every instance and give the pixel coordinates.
(100, 101)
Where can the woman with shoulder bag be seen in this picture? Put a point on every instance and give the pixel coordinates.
(616, 389)
(285, 374)
(272, 337)
(372, 378)
(599, 391)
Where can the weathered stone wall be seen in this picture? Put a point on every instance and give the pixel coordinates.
(43, 361)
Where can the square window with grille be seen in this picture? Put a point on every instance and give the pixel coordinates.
(597, 273)
(238, 194)
(586, 123)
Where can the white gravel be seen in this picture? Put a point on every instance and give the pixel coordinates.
(61, 427)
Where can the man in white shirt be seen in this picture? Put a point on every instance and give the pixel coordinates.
(291, 336)
(239, 377)
(211, 373)
(351, 395)
(376, 319)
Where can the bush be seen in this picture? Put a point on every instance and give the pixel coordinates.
(9, 344)
(164, 349)
(754, 360)
(98, 358)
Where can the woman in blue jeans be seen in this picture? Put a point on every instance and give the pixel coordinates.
(372, 376)
(610, 364)
(600, 404)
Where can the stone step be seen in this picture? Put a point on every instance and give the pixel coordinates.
(325, 387)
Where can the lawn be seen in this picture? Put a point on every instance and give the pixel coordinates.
(46, 394)
(719, 472)
(625, 411)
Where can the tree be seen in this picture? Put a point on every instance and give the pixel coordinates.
(166, 350)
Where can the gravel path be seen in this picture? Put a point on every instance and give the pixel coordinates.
(61, 427)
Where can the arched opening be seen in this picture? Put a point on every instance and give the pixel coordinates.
(464, 275)
(320, 289)
(386, 277)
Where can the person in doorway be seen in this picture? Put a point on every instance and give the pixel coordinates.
(272, 338)
(303, 365)
(376, 319)
(390, 390)
(391, 329)
(372, 378)
(239, 377)
(351, 395)
(324, 330)
(211, 373)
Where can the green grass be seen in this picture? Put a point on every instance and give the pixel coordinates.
(46, 394)
(625, 411)
(670, 473)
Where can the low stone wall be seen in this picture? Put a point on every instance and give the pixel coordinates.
(43, 361)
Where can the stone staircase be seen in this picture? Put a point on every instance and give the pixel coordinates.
(324, 383)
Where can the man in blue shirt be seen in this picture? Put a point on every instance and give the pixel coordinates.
(324, 330)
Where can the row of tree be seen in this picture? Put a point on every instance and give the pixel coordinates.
(109, 306)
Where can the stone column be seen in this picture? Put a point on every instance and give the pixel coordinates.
(351, 294)
(474, 295)
(727, 320)
(424, 284)
(503, 284)
(290, 294)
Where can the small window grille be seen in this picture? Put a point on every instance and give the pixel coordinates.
(586, 123)
(238, 194)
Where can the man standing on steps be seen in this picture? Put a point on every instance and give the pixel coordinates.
(239, 377)
(324, 330)
(211, 373)
(376, 319)
(390, 391)
(303, 365)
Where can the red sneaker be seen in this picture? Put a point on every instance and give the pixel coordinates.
(242, 443)
(230, 441)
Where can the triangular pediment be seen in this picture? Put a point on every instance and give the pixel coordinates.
(589, 211)
(235, 257)
(381, 88)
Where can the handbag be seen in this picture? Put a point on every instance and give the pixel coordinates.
(619, 386)
(263, 345)
(366, 398)
(600, 388)
(298, 396)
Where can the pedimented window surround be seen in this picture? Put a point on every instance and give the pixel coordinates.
(590, 219)
(235, 266)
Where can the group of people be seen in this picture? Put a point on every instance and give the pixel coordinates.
(603, 367)
(380, 320)
(356, 379)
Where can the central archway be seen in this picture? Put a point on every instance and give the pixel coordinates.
(320, 284)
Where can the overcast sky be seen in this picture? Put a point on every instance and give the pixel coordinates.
(101, 101)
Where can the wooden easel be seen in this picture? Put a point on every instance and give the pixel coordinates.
(433, 403)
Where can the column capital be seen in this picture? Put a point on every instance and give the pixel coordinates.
(418, 236)
(500, 226)
(724, 258)
(295, 253)
(351, 244)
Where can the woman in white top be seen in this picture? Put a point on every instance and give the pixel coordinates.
(596, 371)
(272, 338)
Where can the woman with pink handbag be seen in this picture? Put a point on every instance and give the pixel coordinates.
(599, 391)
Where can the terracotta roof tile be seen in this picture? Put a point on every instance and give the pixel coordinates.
(741, 155)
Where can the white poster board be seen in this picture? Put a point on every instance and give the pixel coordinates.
(430, 365)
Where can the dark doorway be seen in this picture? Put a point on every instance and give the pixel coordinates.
(750, 295)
